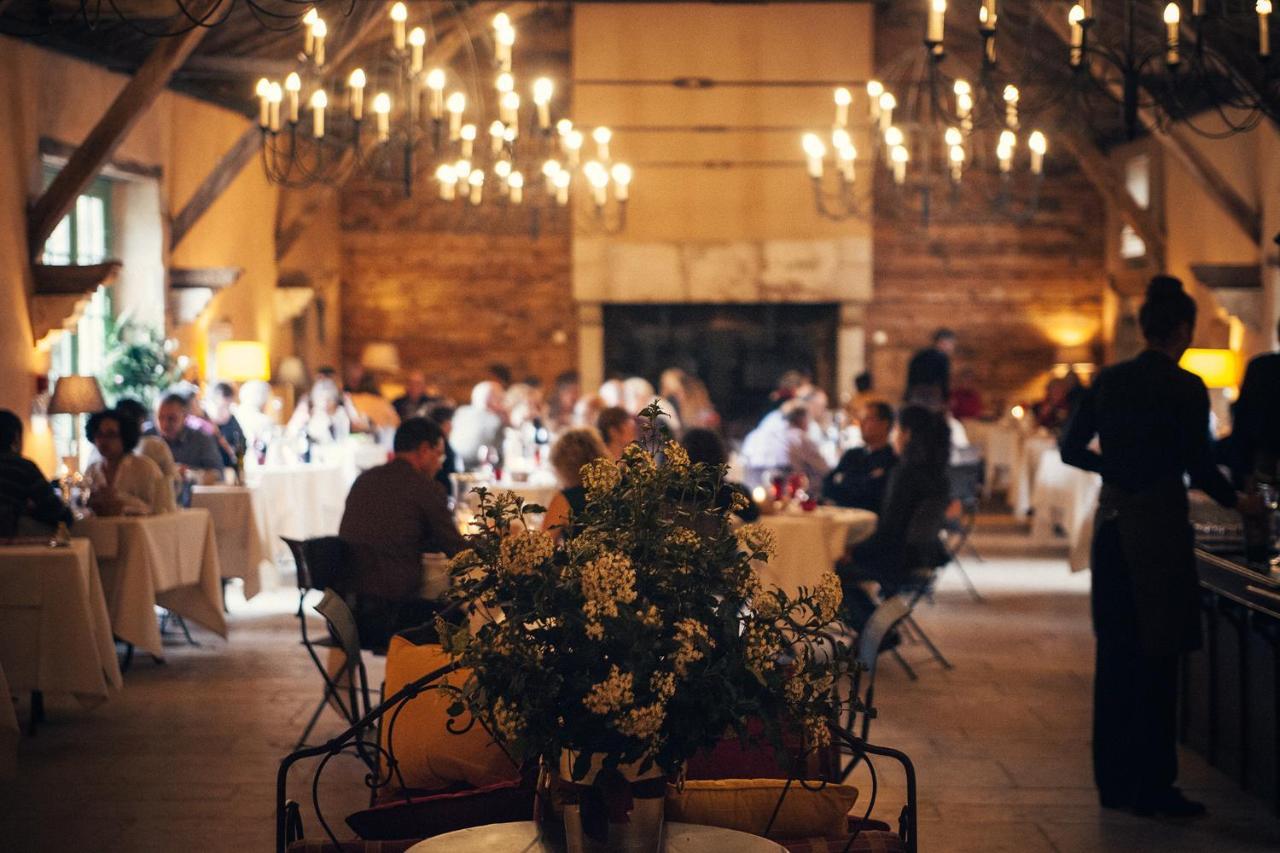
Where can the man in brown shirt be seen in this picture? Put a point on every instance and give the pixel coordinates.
(395, 513)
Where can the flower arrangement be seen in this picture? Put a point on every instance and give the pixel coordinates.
(644, 634)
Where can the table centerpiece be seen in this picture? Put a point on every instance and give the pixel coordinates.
(612, 654)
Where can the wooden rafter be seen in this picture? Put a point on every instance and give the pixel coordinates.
(1099, 172)
(1203, 172)
(442, 52)
(129, 106)
(246, 148)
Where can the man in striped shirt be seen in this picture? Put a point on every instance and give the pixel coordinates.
(24, 492)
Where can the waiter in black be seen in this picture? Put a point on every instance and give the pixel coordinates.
(1151, 418)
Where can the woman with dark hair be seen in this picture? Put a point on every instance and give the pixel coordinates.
(913, 513)
(122, 482)
(1151, 419)
(705, 446)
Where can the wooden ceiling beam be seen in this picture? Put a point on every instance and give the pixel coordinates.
(1201, 170)
(129, 106)
(246, 148)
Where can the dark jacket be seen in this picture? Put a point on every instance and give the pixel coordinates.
(908, 531)
(929, 369)
(859, 480)
(1151, 418)
(394, 515)
(24, 491)
(1255, 431)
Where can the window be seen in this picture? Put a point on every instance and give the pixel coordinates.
(82, 237)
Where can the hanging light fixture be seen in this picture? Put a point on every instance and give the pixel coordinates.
(394, 121)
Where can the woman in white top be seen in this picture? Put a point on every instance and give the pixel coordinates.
(123, 482)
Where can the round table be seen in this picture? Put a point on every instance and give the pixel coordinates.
(809, 543)
(522, 837)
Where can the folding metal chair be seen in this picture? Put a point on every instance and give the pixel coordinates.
(921, 586)
(966, 489)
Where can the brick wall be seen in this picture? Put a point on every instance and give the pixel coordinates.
(458, 289)
(1007, 289)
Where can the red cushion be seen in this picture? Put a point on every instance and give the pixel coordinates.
(422, 817)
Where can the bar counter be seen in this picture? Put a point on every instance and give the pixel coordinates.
(1230, 710)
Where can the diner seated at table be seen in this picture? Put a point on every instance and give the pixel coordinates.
(704, 446)
(860, 478)
(417, 398)
(151, 446)
(782, 444)
(395, 513)
(28, 501)
(617, 428)
(257, 412)
(479, 424)
(232, 443)
(564, 400)
(442, 413)
(1060, 399)
(907, 536)
(573, 449)
(324, 416)
(195, 452)
(122, 482)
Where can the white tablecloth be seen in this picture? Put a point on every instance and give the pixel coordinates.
(525, 837)
(169, 560)
(1031, 450)
(235, 511)
(999, 443)
(55, 635)
(809, 543)
(299, 501)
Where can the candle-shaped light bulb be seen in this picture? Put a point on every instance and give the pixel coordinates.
(563, 126)
(621, 173)
(887, 105)
(382, 109)
(953, 137)
(501, 21)
(516, 182)
(900, 157)
(894, 137)
(275, 96)
(456, 104)
(549, 171)
(435, 83)
(987, 15)
(309, 37)
(573, 146)
(1263, 8)
(496, 129)
(843, 100)
(399, 14)
(502, 169)
(1011, 96)
(504, 83)
(957, 162)
(467, 135)
(598, 177)
(602, 135)
(1172, 16)
(462, 169)
(509, 109)
(417, 41)
(1005, 155)
(503, 40)
(356, 82)
(319, 30)
(1075, 18)
(842, 143)
(1008, 139)
(561, 181)
(510, 133)
(964, 102)
(814, 151)
(263, 91)
(448, 182)
(319, 101)
(1038, 145)
(874, 90)
(937, 21)
(292, 86)
(840, 139)
(543, 89)
(477, 185)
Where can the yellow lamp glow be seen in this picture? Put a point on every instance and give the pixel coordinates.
(241, 361)
(1219, 368)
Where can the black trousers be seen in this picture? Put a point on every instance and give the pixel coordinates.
(1135, 694)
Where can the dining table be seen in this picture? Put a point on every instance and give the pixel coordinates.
(525, 837)
(299, 501)
(237, 513)
(168, 560)
(55, 631)
(809, 543)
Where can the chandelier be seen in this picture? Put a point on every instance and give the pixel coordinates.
(394, 119)
(954, 138)
(1179, 62)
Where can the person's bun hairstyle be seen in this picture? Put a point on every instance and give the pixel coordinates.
(1167, 308)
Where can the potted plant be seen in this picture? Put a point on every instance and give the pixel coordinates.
(643, 636)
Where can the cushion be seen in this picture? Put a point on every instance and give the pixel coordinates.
(423, 817)
(430, 757)
(748, 804)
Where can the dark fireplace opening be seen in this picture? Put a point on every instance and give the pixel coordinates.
(739, 351)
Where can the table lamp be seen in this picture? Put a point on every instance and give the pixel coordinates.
(242, 361)
(381, 356)
(1219, 368)
(76, 395)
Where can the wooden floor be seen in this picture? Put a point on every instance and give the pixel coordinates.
(185, 757)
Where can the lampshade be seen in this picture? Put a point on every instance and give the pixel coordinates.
(76, 395)
(381, 356)
(240, 361)
(292, 371)
(1219, 368)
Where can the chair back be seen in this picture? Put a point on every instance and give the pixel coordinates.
(342, 625)
(328, 563)
(884, 619)
(966, 483)
(298, 550)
